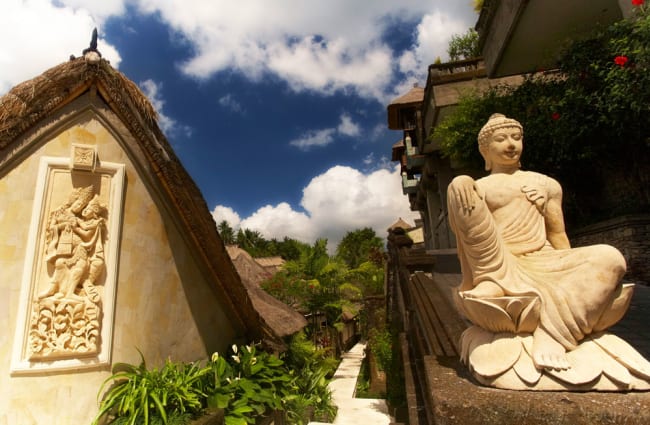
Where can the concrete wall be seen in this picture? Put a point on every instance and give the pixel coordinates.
(164, 305)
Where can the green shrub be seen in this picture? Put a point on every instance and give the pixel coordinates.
(247, 384)
(587, 126)
(381, 345)
(312, 368)
(149, 396)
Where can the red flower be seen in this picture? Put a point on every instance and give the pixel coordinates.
(555, 116)
(620, 61)
(638, 2)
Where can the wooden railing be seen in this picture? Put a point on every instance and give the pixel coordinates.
(429, 325)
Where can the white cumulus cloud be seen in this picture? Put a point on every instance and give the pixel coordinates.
(221, 213)
(338, 201)
(168, 125)
(325, 47)
(100, 9)
(337, 45)
(37, 34)
(325, 136)
(314, 138)
(228, 101)
(279, 221)
(348, 127)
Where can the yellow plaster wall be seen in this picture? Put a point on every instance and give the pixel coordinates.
(163, 305)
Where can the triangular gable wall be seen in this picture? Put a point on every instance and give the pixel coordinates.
(176, 292)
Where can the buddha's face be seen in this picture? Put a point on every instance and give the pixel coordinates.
(504, 148)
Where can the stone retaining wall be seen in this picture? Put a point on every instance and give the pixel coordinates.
(630, 234)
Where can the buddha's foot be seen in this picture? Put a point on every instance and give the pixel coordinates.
(484, 289)
(547, 352)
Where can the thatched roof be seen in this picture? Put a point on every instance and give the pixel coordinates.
(412, 99)
(397, 152)
(282, 319)
(401, 224)
(268, 262)
(31, 101)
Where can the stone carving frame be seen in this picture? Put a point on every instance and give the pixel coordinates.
(55, 174)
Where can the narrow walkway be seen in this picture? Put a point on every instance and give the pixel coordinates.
(360, 411)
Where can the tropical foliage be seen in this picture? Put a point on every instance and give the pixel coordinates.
(256, 245)
(142, 396)
(313, 368)
(586, 125)
(360, 246)
(247, 384)
(464, 46)
(318, 282)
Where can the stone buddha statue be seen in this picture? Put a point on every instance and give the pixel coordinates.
(539, 307)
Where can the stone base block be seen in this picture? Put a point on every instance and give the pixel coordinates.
(458, 399)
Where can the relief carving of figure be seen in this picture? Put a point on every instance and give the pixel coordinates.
(539, 307)
(65, 316)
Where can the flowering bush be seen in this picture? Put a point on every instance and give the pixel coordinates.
(587, 126)
(247, 384)
(620, 60)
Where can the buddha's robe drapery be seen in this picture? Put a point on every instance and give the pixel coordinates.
(509, 247)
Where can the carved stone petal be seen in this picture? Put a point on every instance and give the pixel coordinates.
(585, 366)
(529, 318)
(624, 353)
(495, 355)
(612, 368)
(525, 367)
(468, 336)
(488, 315)
(527, 343)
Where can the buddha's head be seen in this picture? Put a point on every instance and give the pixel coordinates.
(497, 128)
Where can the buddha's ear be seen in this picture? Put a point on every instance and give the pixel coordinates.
(488, 164)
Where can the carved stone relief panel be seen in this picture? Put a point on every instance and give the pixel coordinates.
(67, 296)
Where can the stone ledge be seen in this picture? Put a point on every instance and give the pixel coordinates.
(458, 400)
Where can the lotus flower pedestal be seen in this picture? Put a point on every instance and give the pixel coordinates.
(498, 350)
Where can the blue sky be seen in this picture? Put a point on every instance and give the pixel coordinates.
(276, 108)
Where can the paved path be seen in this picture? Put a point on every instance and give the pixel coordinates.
(359, 411)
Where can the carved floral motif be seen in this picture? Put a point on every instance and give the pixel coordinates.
(83, 157)
(63, 327)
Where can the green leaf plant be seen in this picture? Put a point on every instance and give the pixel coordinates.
(247, 384)
(140, 394)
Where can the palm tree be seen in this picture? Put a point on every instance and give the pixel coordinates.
(226, 232)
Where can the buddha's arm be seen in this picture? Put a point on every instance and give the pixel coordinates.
(555, 231)
(466, 193)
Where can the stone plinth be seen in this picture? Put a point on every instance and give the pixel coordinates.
(457, 400)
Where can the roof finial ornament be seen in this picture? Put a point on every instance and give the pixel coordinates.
(91, 53)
